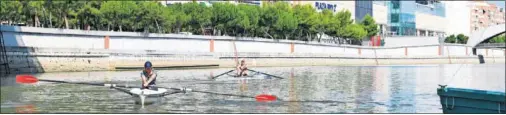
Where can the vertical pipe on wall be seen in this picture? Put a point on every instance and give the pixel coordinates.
(406, 51)
(106, 42)
(467, 52)
(292, 49)
(211, 45)
(439, 50)
(486, 52)
(359, 51)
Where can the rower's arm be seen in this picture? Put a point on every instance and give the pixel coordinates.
(152, 77)
(143, 79)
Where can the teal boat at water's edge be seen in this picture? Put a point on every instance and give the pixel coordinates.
(460, 100)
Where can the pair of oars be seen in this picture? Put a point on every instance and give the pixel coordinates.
(248, 70)
(27, 79)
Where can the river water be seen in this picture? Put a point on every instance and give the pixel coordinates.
(315, 89)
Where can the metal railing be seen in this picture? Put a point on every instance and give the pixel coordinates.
(4, 61)
(492, 45)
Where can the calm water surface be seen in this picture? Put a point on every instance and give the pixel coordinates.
(321, 89)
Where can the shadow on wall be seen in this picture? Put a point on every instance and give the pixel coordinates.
(19, 56)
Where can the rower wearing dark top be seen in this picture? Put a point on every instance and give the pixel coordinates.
(148, 76)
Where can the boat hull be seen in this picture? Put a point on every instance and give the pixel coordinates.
(150, 96)
(471, 101)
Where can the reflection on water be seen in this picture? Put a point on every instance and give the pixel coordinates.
(340, 89)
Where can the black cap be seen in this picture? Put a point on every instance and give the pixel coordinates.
(147, 64)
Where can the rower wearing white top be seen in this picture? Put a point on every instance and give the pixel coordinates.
(242, 69)
(148, 76)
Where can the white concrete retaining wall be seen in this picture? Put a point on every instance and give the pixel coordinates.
(61, 38)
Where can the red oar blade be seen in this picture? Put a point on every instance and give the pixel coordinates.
(265, 98)
(26, 79)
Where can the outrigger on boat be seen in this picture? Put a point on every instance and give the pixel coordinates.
(147, 96)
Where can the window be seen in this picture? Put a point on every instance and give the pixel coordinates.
(394, 18)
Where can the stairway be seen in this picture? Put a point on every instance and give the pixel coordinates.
(4, 62)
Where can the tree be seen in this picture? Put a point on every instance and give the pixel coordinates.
(169, 19)
(149, 16)
(89, 15)
(63, 9)
(305, 15)
(324, 23)
(251, 14)
(181, 18)
(119, 13)
(201, 16)
(10, 11)
(32, 11)
(462, 39)
(369, 25)
(498, 39)
(286, 24)
(344, 19)
(450, 39)
(110, 13)
(355, 31)
(268, 18)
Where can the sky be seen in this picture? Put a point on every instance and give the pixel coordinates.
(498, 3)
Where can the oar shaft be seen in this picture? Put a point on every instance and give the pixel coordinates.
(93, 84)
(208, 92)
(83, 83)
(222, 74)
(266, 74)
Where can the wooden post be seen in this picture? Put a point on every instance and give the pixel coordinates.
(106, 42)
(211, 45)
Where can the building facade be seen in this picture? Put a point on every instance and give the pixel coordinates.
(380, 15)
(484, 15)
(416, 18)
(362, 8)
(458, 17)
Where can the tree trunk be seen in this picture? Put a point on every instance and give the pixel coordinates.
(66, 20)
(108, 27)
(267, 33)
(202, 29)
(157, 26)
(37, 21)
(178, 29)
(120, 28)
(50, 21)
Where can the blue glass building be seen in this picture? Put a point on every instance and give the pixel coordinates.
(362, 8)
(401, 15)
